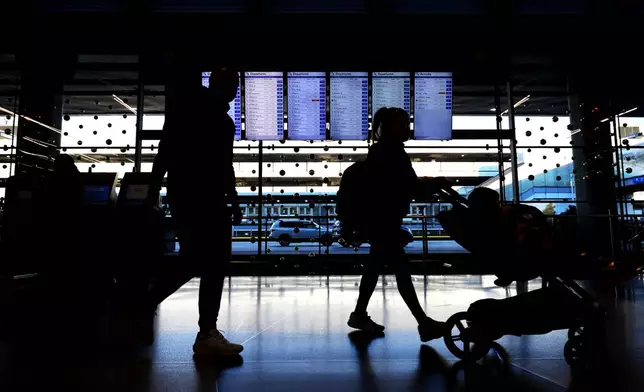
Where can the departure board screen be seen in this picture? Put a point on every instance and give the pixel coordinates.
(391, 90)
(306, 105)
(264, 96)
(349, 105)
(433, 105)
(235, 106)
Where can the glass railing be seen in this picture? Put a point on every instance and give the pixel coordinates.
(320, 235)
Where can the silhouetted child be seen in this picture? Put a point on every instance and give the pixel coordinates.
(388, 163)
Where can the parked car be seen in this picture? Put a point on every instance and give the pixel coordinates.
(287, 231)
(337, 235)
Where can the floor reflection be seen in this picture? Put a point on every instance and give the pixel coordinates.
(296, 339)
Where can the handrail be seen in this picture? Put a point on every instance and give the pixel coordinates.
(423, 228)
(432, 216)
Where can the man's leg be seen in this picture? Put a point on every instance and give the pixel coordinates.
(211, 285)
(214, 269)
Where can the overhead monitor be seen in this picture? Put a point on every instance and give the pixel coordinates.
(433, 105)
(264, 96)
(349, 105)
(391, 90)
(306, 105)
(235, 106)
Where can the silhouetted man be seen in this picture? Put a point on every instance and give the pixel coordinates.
(196, 151)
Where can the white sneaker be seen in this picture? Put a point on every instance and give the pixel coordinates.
(364, 323)
(214, 343)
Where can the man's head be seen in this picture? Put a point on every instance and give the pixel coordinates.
(484, 199)
(390, 124)
(223, 84)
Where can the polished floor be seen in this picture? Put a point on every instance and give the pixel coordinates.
(296, 339)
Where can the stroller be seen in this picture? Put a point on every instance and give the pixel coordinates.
(560, 304)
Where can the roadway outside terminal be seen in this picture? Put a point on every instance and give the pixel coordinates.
(416, 247)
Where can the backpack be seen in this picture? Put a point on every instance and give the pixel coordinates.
(353, 200)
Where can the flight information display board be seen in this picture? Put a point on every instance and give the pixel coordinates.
(264, 96)
(433, 105)
(306, 105)
(349, 105)
(391, 90)
(235, 106)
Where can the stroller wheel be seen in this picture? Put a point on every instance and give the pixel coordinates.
(575, 352)
(577, 330)
(458, 339)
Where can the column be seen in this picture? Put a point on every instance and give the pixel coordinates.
(593, 165)
(43, 76)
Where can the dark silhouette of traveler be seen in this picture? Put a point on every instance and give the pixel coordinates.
(64, 199)
(65, 251)
(64, 164)
(196, 151)
(389, 171)
(66, 182)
